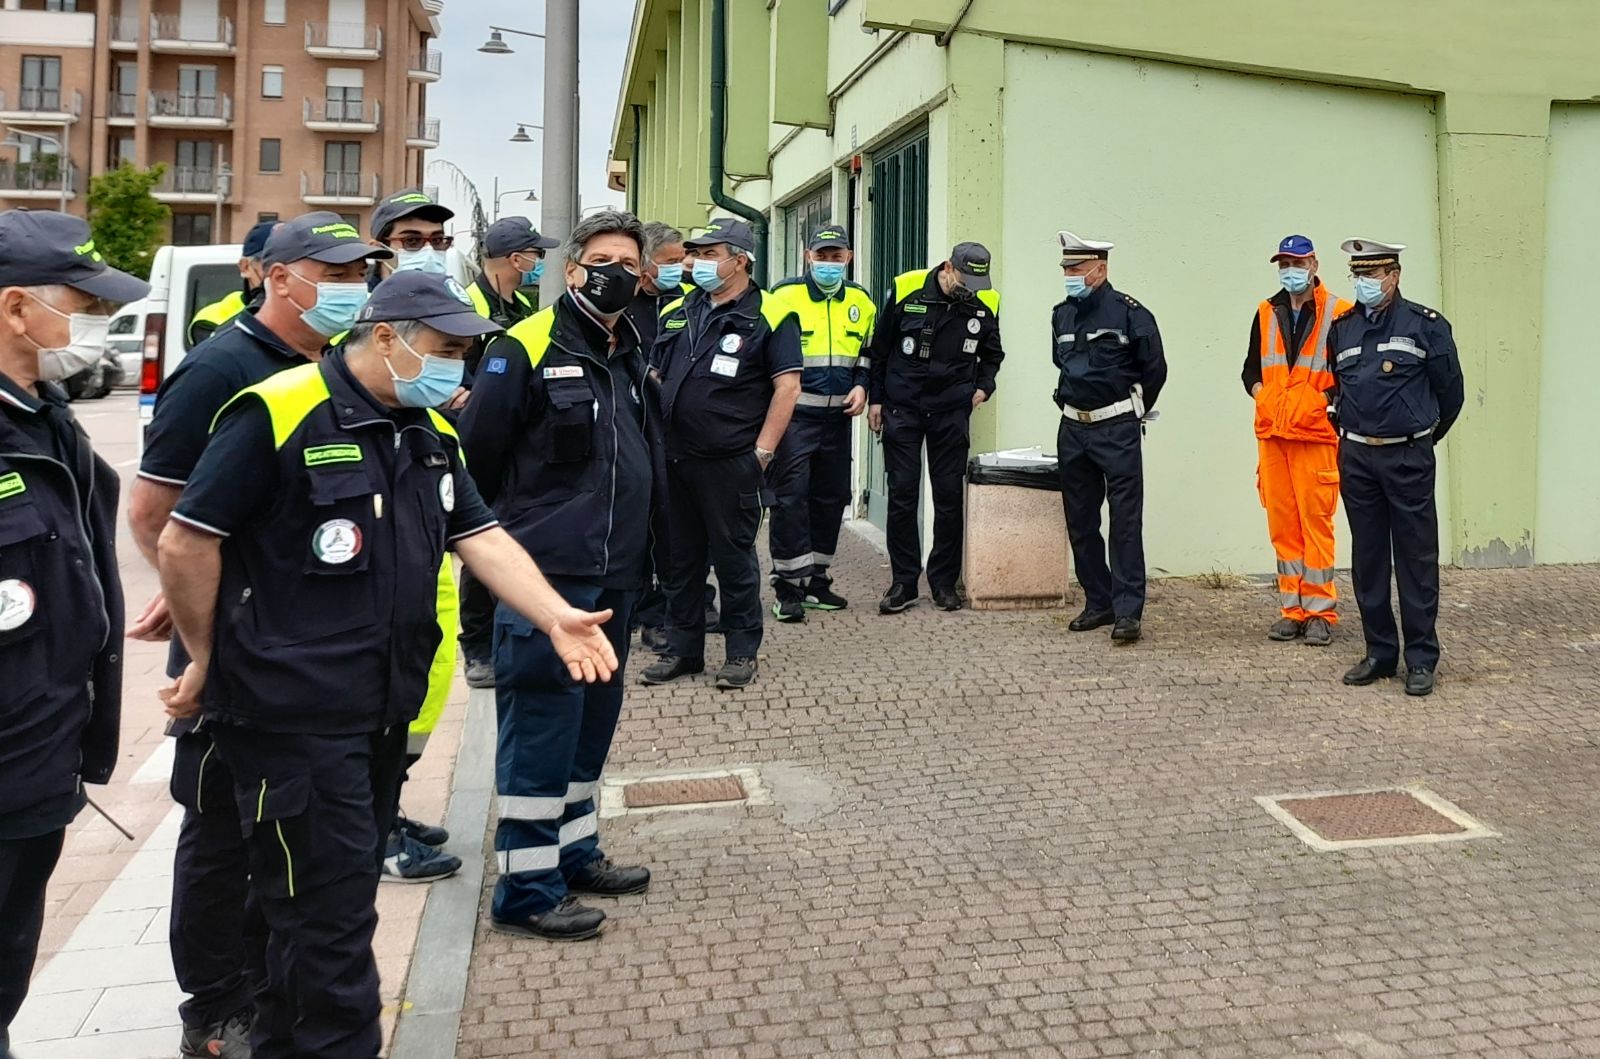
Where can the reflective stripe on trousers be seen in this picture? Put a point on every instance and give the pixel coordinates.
(1299, 487)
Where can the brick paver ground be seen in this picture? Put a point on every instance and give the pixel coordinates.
(993, 836)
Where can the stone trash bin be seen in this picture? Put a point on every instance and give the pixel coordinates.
(1016, 541)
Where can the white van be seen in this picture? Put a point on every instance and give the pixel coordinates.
(183, 279)
(125, 340)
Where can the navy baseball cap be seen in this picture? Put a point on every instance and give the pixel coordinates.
(725, 230)
(407, 203)
(509, 235)
(1294, 246)
(972, 261)
(829, 235)
(438, 301)
(255, 240)
(42, 247)
(321, 236)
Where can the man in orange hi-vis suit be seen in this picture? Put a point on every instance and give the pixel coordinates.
(1287, 372)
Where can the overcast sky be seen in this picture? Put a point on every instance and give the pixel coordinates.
(480, 99)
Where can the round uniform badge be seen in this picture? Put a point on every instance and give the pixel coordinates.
(731, 343)
(336, 541)
(855, 314)
(1388, 366)
(908, 345)
(16, 604)
(447, 493)
(973, 326)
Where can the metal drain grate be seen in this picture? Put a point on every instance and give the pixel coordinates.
(1334, 820)
(650, 794)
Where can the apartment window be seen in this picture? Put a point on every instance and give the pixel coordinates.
(61, 5)
(344, 95)
(800, 220)
(191, 229)
(272, 82)
(197, 91)
(122, 150)
(341, 169)
(273, 13)
(266, 217)
(124, 100)
(195, 170)
(352, 219)
(41, 82)
(271, 156)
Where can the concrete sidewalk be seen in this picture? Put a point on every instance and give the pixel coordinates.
(988, 835)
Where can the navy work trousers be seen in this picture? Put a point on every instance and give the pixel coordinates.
(810, 482)
(1100, 462)
(555, 734)
(25, 867)
(947, 436)
(1388, 495)
(714, 513)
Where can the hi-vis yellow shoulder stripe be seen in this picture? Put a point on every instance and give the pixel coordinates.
(12, 484)
(318, 455)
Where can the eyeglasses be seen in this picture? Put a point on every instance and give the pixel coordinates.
(413, 241)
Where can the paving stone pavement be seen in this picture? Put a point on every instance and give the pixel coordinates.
(990, 835)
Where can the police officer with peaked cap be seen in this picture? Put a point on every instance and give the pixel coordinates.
(301, 565)
(1397, 391)
(935, 356)
(312, 287)
(810, 476)
(61, 608)
(729, 361)
(1107, 349)
(210, 317)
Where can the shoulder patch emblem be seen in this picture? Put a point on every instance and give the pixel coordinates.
(855, 314)
(495, 366)
(447, 493)
(336, 541)
(16, 604)
(12, 484)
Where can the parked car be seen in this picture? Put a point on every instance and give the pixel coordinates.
(125, 340)
(182, 280)
(91, 384)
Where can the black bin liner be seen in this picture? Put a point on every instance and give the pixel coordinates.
(1042, 476)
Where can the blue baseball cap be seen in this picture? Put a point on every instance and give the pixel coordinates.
(255, 240)
(1294, 246)
(438, 301)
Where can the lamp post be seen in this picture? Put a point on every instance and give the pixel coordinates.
(498, 195)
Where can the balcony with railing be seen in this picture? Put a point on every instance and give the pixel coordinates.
(184, 183)
(426, 65)
(122, 108)
(191, 35)
(177, 110)
(124, 32)
(30, 105)
(46, 29)
(335, 188)
(344, 40)
(423, 132)
(42, 177)
(342, 115)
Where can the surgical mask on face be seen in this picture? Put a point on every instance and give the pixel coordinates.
(1369, 291)
(607, 289)
(431, 387)
(424, 259)
(533, 275)
(669, 277)
(1295, 280)
(706, 276)
(336, 306)
(86, 343)
(827, 274)
(1077, 287)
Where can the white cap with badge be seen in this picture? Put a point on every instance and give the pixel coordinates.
(1075, 248)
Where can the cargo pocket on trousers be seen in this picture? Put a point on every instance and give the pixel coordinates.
(272, 816)
(1327, 492)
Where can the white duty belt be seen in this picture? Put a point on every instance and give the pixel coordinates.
(1134, 404)
(1362, 439)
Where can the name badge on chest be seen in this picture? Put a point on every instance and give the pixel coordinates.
(724, 365)
(565, 371)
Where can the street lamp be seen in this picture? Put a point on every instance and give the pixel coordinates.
(15, 140)
(498, 195)
(496, 44)
(521, 135)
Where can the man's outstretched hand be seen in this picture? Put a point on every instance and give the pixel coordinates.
(581, 643)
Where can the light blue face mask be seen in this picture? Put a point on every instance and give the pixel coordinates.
(433, 385)
(533, 275)
(706, 276)
(336, 306)
(828, 274)
(669, 277)
(424, 259)
(1077, 287)
(1295, 280)
(1369, 291)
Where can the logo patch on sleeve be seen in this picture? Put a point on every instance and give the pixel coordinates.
(495, 366)
(564, 371)
(12, 484)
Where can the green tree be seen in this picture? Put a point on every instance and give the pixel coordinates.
(127, 222)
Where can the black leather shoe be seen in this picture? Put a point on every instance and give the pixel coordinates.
(1285, 629)
(1368, 670)
(1091, 619)
(1419, 680)
(1318, 632)
(897, 599)
(480, 673)
(947, 599)
(606, 879)
(736, 673)
(671, 667)
(1127, 630)
(568, 921)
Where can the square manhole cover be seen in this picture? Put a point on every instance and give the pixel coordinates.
(649, 794)
(1333, 820)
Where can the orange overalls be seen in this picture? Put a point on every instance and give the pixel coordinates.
(1298, 472)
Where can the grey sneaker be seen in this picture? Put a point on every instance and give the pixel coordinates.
(480, 673)
(408, 861)
(225, 1040)
(1318, 632)
(736, 673)
(1285, 629)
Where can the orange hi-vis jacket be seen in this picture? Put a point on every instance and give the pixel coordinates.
(1292, 402)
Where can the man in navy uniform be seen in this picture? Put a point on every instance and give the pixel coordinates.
(60, 595)
(564, 436)
(935, 356)
(1397, 391)
(252, 272)
(1107, 349)
(312, 288)
(301, 566)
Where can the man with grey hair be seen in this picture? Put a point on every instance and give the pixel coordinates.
(563, 434)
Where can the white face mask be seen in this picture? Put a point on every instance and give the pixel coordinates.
(423, 259)
(86, 343)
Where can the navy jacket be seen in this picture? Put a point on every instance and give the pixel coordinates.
(1102, 345)
(930, 352)
(1397, 374)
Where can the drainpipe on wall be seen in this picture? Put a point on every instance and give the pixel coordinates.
(719, 139)
(634, 168)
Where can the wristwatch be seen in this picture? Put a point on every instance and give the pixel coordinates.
(764, 456)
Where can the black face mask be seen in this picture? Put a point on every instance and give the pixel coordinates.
(609, 288)
(962, 293)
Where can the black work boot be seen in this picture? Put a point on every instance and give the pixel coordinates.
(1091, 618)
(606, 879)
(568, 921)
(669, 668)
